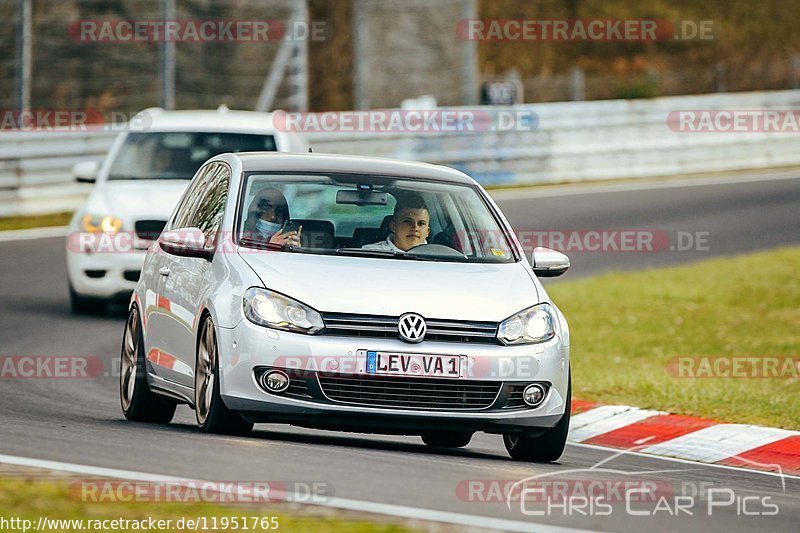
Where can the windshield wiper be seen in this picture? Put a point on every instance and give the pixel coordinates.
(123, 177)
(154, 177)
(392, 254)
(272, 246)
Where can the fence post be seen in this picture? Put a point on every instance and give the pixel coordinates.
(24, 46)
(577, 85)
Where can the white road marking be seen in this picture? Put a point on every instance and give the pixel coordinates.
(637, 185)
(338, 503)
(33, 233)
(603, 419)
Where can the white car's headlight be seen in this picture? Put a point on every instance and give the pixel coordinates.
(533, 325)
(273, 310)
(100, 223)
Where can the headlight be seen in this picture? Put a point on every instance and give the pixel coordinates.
(99, 223)
(533, 325)
(273, 310)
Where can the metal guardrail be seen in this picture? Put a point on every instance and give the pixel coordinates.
(573, 141)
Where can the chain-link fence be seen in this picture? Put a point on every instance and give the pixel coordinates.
(376, 53)
(75, 70)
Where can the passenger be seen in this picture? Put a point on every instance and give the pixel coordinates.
(268, 212)
(162, 160)
(410, 226)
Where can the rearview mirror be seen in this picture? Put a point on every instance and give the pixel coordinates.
(86, 171)
(346, 196)
(548, 263)
(185, 242)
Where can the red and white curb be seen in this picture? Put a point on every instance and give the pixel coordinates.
(685, 437)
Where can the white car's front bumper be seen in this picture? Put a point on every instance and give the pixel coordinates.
(247, 349)
(104, 274)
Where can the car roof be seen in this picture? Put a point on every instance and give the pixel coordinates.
(319, 162)
(221, 119)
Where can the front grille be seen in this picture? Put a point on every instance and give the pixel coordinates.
(378, 326)
(132, 275)
(515, 400)
(149, 229)
(409, 393)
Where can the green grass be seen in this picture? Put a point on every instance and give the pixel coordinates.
(29, 499)
(626, 327)
(35, 221)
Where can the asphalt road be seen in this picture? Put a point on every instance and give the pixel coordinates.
(79, 420)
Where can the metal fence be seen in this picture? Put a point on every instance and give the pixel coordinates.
(573, 141)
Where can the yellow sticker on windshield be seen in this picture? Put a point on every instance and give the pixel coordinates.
(498, 251)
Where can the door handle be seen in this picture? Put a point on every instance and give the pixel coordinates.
(164, 271)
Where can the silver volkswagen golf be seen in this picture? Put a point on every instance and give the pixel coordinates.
(348, 293)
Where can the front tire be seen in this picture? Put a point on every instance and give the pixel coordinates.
(447, 439)
(548, 446)
(139, 403)
(213, 416)
(85, 305)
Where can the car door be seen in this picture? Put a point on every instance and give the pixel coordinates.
(159, 342)
(186, 278)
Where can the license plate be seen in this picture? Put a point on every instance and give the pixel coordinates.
(413, 364)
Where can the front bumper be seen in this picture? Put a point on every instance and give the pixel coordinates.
(120, 272)
(247, 348)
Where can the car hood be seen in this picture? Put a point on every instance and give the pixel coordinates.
(136, 199)
(459, 291)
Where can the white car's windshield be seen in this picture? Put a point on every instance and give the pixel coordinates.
(373, 216)
(178, 155)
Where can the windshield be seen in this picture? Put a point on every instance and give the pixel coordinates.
(370, 216)
(178, 155)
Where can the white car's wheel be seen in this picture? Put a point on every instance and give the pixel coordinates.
(138, 402)
(546, 447)
(84, 305)
(213, 416)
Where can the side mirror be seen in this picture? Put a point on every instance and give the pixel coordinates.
(86, 171)
(548, 263)
(185, 242)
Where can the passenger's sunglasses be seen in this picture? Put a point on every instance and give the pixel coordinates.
(265, 205)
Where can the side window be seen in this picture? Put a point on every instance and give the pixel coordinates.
(185, 212)
(211, 207)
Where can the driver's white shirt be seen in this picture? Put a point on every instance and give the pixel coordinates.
(387, 245)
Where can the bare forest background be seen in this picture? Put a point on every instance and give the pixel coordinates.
(409, 48)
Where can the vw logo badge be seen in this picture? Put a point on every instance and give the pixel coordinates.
(412, 327)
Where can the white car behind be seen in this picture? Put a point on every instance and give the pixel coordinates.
(137, 186)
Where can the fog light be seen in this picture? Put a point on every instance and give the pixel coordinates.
(533, 395)
(275, 381)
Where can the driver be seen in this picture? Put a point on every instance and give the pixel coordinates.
(410, 226)
(267, 213)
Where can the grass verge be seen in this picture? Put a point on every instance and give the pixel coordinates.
(627, 329)
(34, 221)
(31, 499)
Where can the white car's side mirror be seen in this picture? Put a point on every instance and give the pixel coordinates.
(185, 242)
(548, 263)
(86, 171)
